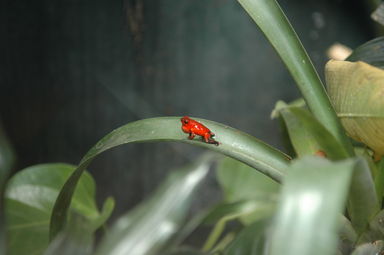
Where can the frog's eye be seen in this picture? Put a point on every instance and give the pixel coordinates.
(185, 121)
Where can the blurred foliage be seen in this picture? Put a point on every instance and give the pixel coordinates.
(29, 199)
(326, 201)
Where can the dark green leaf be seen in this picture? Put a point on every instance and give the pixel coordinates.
(7, 160)
(30, 196)
(274, 24)
(250, 241)
(233, 143)
(371, 52)
(313, 196)
(379, 180)
(148, 227)
(308, 136)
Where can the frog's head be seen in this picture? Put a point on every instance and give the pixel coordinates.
(185, 120)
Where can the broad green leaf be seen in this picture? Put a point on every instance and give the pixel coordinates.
(374, 248)
(313, 197)
(250, 241)
(356, 91)
(308, 136)
(274, 24)
(233, 143)
(371, 52)
(240, 182)
(29, 198)
(149, 226)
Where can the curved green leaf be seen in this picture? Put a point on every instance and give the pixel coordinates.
(233, 143)
(272, 21)
(150, 225)
(29, 199)
(313, 197)
(371, 52)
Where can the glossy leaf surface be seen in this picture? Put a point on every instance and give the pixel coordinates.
(313, 197)
(233, 143)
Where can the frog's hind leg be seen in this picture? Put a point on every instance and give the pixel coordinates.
(208, 139)
(212, 141)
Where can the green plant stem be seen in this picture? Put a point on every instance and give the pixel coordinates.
(274, 24)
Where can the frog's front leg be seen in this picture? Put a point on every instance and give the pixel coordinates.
(191, 136)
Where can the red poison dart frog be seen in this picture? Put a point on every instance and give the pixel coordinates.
(193, 128)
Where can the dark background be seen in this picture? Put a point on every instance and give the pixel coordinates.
(72, 71)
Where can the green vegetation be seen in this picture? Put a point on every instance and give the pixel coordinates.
(326, 199)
